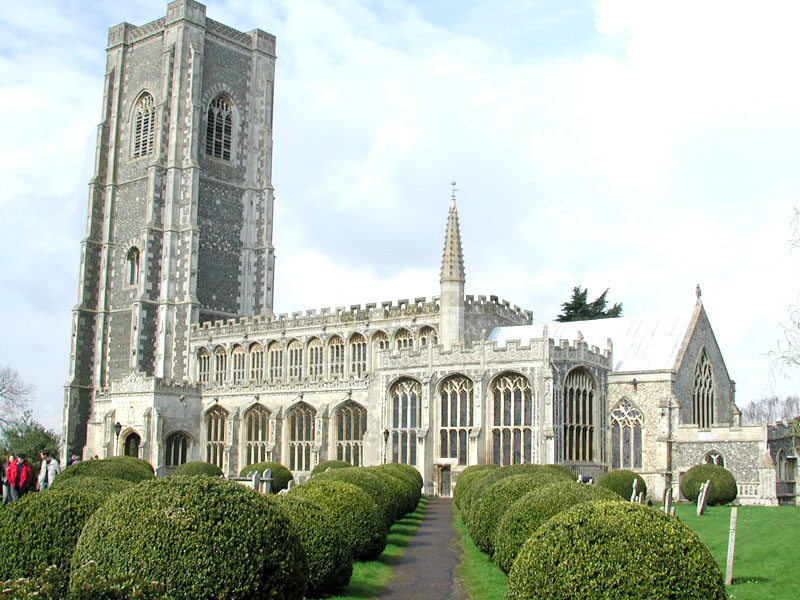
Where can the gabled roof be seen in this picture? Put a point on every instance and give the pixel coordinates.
(650, 343)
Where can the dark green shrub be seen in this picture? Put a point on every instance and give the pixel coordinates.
(47, 584)
(326, 465)
(119, 467)
(562, 470)
(614, 550)
(106, 485)
(41, 529)
(496, 499)
(95, 586)
(466, 478)
(411, 480)
(352, 510)
(527, 513)
(621, 482)
(202, 537)
(330, 562)
(198, 468)
(400, 488)
(408, 470)
(721, 490)
(381, 492)
(281, 476)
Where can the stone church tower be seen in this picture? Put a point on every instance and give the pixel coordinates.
(179, 227)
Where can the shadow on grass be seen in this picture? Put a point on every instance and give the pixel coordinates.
(741, 580)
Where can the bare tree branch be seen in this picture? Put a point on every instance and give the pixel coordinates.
(770, 409)
(15, 396)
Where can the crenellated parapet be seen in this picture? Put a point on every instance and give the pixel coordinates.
(493, 306)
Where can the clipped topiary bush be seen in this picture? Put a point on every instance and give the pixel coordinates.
(202, 537)
(400, 488)
(198, 468)
(40, 530)
(467, 477)
(351, 510)
(614, 550)
(621, 482)
(105, 485)
(389, 504)
(281, 476)
(527, 513)
(562, 470)
(326, 465)
(496, 499)
(118, 467)
(95, 586)
(412, 481)
(330, 562)
(721, 490)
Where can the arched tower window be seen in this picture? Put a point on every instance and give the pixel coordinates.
(335, 357)
(455, 420)
(132, 267)
(203, 365)
(406, 412)
(714, 458)
(300, 421)
(177, 449)
(238, 357)
(351, 423)
(427, 337)
(579, 392)
(703, 393)
(256, 363)
(403, 339)
(256, 427)
(144, 126)
(626, 436)
(219, 128)
(358, 355)
(275, 362)
(295, 350)
(315, 355)
(220, 365)
(513, 420)
(215, 435)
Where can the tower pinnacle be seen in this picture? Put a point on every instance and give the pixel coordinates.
(452, 257)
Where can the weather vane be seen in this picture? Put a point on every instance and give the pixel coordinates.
(455, 189)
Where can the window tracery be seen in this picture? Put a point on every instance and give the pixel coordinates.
(219, 128)
(220, 365)
(403, 339)
(626, 436)
(714, 458)
(295, 352)
(132, 267)
(406, 405)
(358, 355)
(275, 362)
(177, 449)
(427, 336)
(256, 425)
(238, 357)
(315, 358)
(215, 435)
(513, 420)
(256, 363)
(203, 365)
(703, 393)
(144, 126)
(300, 421)
(351, 423)
(579, 392)
(455, 418)
(335, 357)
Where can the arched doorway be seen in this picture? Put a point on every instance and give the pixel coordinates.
(131, 445)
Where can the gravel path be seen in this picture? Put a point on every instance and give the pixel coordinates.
(428, 567)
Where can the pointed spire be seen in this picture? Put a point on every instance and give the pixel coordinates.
(452, 258)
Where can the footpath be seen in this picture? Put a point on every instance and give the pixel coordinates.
(428, 567)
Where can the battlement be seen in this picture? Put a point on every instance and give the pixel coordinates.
(501, 308)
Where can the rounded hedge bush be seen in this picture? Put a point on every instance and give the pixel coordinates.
(526, 514)
(614, 550)
(281, 476)
(405, 475)
(118, 467)
(721, 490)
(106, 485)
(496, 499)
(400, 487)
(621, 482)
(330, 562)
(466, 478)
(41, 529)
(326, 465)
(202, 537)
(351, 510)
(198, 468)
(381, 492)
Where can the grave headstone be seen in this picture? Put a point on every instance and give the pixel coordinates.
(701, 499)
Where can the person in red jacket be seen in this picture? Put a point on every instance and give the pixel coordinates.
(20, 476)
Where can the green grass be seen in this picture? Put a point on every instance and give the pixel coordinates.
(765, 566)
(765, 563)
(479, 575)
(369, 578)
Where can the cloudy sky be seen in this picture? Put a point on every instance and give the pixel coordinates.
(639, 146)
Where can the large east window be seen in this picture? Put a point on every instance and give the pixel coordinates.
(405, 419)
(455, 418)
(512, 420)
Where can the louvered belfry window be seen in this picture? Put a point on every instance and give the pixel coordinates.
(144, 126)
(219, 128)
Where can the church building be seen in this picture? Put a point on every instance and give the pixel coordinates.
(176, 354)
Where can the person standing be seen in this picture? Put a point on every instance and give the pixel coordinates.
(47, 472)
(6, 483)
(20, 476)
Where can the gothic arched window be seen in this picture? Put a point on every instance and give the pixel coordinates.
(256, 363)
(455, 421)
(579, 392)
(351, 423)
(300, 421)
(513, 420)
(714, 458)
(144, 126)
(626, 436)
(238, 357)
(220, 365)
(403, 339)
(295, 352)
(358, 354)
(427, 337)
(380, 341)
(177, 449)
(219, 128)
(406, 410)
(335, 357)
(703, 393)
(132, 267)
(203, 365)
(215, 435)
(315, 358)
(256, 427)
(275, 362)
